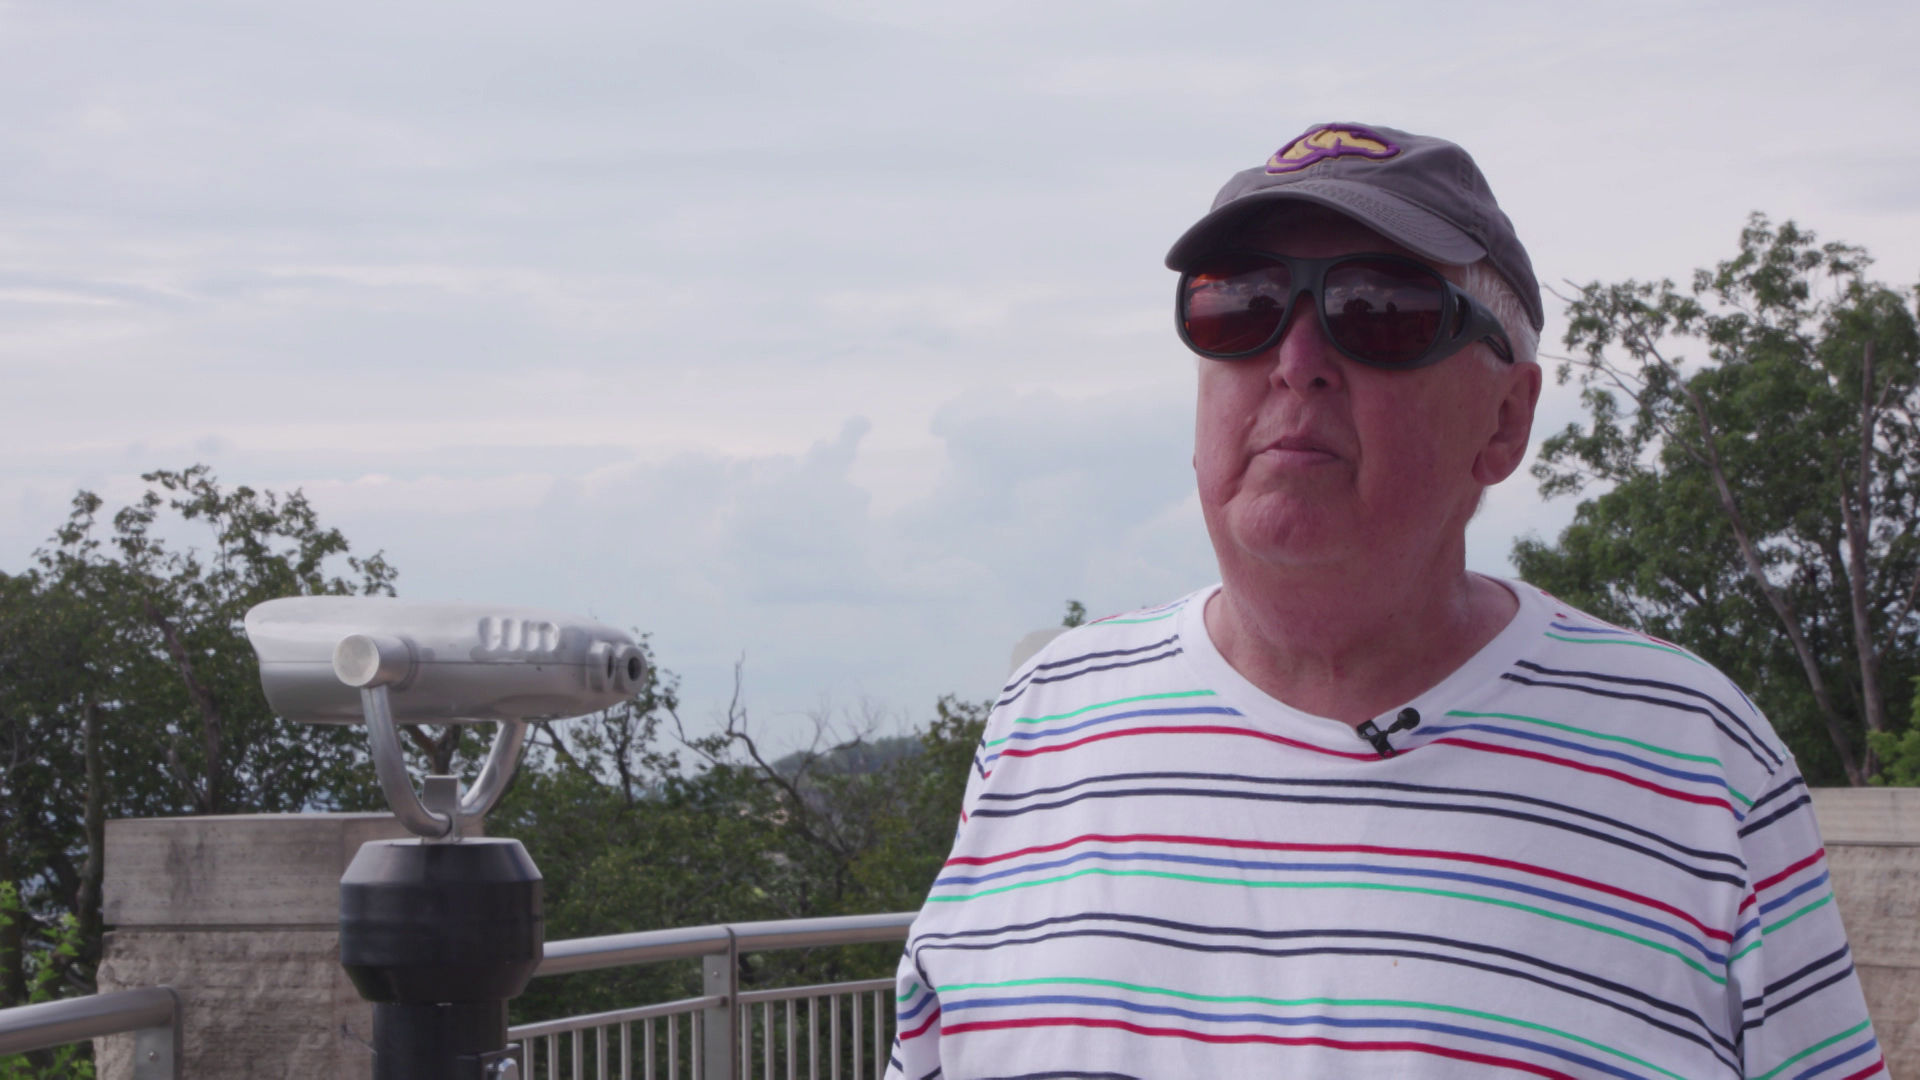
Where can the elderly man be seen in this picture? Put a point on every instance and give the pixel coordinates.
(1356, 811)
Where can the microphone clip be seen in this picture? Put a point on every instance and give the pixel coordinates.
(1407, 720)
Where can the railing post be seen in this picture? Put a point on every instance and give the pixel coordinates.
(720, 1026)
(156, 1051)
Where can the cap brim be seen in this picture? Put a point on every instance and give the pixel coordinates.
(1420, 231)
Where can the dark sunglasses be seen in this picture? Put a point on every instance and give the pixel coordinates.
(1384, 311)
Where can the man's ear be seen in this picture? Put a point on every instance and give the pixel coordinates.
(1506, 444)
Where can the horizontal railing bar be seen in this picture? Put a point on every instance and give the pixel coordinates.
(618, 1016)
(72, 1020)
(787, 993)
(811, 933)
(621, 950)
(653, 946)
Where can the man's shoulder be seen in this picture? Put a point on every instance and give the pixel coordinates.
(1092, 684)
(1586, 643)
(1615, 668)
(1125, 649)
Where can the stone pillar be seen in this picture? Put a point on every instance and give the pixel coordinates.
(1873, 852)
(240, 914)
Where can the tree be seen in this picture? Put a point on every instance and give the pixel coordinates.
(1761, 499)
(127, 688)
(911, 844)
(629, 835)
(1899, 754)
(122, 652)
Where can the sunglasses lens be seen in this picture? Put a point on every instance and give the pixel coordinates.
(1234, 303)
(1387, 312)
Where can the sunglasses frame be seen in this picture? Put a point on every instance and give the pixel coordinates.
(1310, 276)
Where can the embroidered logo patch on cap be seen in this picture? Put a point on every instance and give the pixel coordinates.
(1331, 141)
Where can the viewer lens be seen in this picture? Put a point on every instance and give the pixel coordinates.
(1387, 312)
(1234, 303)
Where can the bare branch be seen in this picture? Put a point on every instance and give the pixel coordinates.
(802, 818)
(1667, 430)
(560, 751)
(421, 741)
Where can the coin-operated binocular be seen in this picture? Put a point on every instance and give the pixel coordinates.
(441, 931)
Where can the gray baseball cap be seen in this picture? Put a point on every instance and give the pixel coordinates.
(1421, 192)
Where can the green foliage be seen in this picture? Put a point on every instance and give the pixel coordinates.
(1740, 515)
(1899, 754)
(45, 966)
(913, 841)
(1076, 615)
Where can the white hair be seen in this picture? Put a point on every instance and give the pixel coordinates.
(1485, 284)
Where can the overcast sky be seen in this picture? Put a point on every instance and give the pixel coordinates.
(831, 334)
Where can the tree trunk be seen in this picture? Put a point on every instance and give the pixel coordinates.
(1858, 518)
(207, 798)
(439, 750)
(1776, 599)
(93, 873)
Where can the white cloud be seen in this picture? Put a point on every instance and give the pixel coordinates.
(576, 304)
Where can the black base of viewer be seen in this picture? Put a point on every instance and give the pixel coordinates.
(439, 936)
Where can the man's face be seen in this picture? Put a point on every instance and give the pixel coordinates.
(1306, 458)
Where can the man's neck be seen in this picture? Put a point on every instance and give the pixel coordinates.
(1353, 646)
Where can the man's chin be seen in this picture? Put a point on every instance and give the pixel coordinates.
(1274, 533)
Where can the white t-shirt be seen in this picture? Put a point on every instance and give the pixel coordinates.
(1592, 858)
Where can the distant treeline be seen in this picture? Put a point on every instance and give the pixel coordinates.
(128, 689)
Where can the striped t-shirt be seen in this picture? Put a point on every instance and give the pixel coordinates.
(1592, 858)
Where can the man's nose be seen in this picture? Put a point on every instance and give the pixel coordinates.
(1304, 360)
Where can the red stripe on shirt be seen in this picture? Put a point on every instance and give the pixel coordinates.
(1265, 1040)
(922, 1029)
(1192, 729)
(1767, 883)
(1684, 796)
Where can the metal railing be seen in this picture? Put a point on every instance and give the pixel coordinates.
(151, 1014)
(822, 1032)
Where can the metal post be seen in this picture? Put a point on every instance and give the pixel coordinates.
(720, 1025)
(156, 1052)
(858, 1050)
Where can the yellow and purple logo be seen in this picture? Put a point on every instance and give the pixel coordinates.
(1330, 141)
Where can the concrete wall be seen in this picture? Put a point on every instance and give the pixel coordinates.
(1873, 852)
(241, 916)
